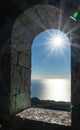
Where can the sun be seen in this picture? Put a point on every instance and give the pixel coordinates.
(57, 41)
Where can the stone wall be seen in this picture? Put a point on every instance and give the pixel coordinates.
(27, 26)
(20, 79)
(75, 81)
(15, 56)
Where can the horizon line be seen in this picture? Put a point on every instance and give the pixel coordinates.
(51, 78)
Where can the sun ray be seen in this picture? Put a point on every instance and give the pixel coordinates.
(60, 21)
(66, 25)
(62, 3)
(75, 45)
(74, 29)
(57, 42)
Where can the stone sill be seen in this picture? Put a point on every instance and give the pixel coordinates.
(46, 116)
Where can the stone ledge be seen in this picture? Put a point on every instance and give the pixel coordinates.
(47, 116)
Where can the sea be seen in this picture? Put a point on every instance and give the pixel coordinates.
(51, 89)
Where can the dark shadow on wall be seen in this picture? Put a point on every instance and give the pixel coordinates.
(8, 14)
(16, 123)
(5, 61)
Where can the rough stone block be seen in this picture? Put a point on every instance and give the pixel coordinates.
(19, 102)
(21, 32)
(14, 56)
(15, 79)
(22, 101)
(42, 14)
(21, 47)
(26, 83)
(33, 22)
(20, 80)
(12, 104)
(24, 61)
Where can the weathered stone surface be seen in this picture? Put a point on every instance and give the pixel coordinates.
(76, 84)
(27, 26)
(25, 84)
(22, 33)
(14, 57)
(75, 67)
(15, 79)
(20, 80)
(20, 47)
(75, 81)
(32, 26)
(24, 61)
(12, 104)
(43, 15)
(46, 115)
(7, 20)
(22, 101)
(40, 16)
(18, 102)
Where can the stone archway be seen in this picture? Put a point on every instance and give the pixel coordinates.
(27, 26)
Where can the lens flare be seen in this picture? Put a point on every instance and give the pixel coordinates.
(0, 126)
(75, 15)
(57, 42)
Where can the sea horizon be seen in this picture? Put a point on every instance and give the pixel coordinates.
(51, 89)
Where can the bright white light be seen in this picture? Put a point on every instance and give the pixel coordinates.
(73, 18)
(57, 41)
(56, 89)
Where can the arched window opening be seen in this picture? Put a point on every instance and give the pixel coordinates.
(51, 70)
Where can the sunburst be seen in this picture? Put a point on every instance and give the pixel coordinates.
(57, 41)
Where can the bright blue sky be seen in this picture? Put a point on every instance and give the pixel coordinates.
(48, 60)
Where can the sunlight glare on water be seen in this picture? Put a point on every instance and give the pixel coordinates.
(56, 89)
